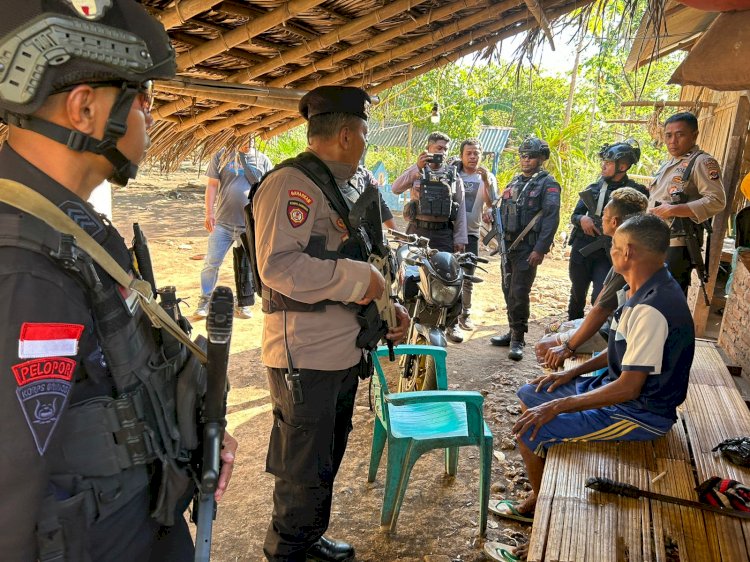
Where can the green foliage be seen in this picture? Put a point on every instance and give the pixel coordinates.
(286, 145)
(533, 102)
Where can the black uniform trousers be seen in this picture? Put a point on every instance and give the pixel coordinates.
(679, 265)
(307, 445)
(584, 273)
(522, 277)
(468, 286)
(440, 240)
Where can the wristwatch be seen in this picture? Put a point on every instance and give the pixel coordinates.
(567, 346)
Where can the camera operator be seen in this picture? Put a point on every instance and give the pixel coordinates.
(436, 209)
(692, 175)
(589, 254)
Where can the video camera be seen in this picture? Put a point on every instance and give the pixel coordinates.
(436, 158)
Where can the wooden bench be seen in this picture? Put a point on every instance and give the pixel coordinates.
(573, 523)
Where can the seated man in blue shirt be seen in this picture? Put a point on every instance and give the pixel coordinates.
(648, 360)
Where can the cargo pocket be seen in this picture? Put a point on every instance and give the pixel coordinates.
(300, 450)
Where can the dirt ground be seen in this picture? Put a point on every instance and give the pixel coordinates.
(439, 514)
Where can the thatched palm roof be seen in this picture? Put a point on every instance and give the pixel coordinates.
(283, 50)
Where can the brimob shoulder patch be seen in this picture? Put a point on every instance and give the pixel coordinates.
(43, 389)
(297, 212)
(712, 169)
(298, 194)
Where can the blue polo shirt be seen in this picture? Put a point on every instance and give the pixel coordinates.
(653, 332)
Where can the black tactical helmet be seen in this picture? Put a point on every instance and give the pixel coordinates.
(628, 150)
(534, 146)
(47, 46)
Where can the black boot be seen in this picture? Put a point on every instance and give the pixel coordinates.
(330, 550)
(502, 341)
(516, 347)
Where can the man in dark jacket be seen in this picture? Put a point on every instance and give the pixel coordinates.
(589, 255)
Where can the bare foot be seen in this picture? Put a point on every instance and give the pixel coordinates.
(522, 551)
(527, 506)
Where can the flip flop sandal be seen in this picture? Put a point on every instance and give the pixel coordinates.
(500, 552)
(507, 509)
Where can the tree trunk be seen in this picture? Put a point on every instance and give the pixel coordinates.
(573, 79)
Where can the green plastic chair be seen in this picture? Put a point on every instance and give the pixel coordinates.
(416, 422)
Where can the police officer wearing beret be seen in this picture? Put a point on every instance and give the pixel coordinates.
(310, 329)
(530, 207)
(690, 174)
(589, 254)
(88, 471)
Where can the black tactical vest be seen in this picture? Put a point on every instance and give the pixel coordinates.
(108, 446)
(521, 201)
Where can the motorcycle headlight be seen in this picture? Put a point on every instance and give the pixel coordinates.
(444, 295)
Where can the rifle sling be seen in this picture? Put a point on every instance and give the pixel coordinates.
(524, 232)
(26, 199)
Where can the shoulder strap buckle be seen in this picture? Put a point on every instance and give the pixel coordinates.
(67, 251)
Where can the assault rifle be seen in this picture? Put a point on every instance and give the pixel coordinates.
(602, 242)
(366, 215)
(168, 297)
(143, 257)
(219, 330)
(497, 232)
(682, 226)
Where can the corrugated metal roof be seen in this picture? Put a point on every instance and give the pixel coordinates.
(397, 134)
(494, 139)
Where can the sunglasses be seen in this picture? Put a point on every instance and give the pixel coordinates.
(145, 90)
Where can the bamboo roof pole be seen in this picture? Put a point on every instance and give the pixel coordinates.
(183, 11)
(443, 59)
(195, 41)
(244, 99)
(381, 58)
(331, 38)
(538, 12)
(296, 53)
(326, 40)
(244, 33)
(437, 62)
(244, 10)
(164, 112)
(378, 39)
(431, 54)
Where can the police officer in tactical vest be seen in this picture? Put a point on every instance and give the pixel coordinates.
(316, 287)
(436, 209)
(93, 460)
(530, 209)
(589, 254)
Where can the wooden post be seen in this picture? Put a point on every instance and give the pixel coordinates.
(730, 178)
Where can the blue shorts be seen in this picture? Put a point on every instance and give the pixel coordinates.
(612, 423)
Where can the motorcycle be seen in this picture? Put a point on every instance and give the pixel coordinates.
(429, 286)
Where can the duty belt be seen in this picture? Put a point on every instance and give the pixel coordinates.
(429, 225)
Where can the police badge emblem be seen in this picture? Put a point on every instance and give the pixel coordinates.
(90, 9)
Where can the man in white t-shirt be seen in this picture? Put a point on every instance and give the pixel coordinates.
(480, 190)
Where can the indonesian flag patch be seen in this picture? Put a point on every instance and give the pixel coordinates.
(297, 211)
(48, 340)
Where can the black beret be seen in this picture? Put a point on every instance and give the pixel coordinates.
(335, 99)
